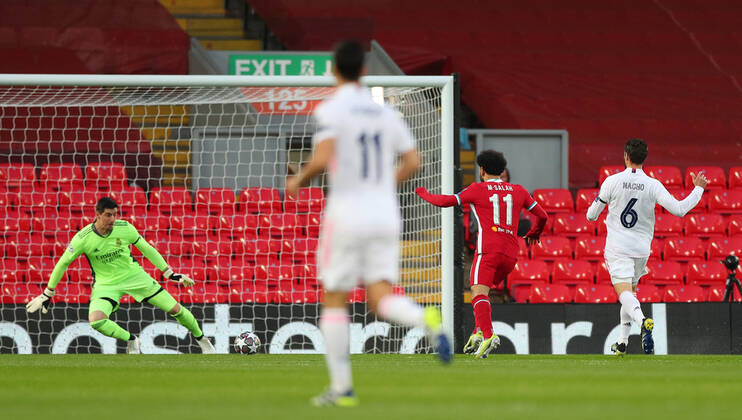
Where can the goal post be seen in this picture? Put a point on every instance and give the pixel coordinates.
(144, 139)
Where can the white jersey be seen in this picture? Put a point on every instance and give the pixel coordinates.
(631, 196)
(362, 194)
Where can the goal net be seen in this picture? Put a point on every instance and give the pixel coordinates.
(198, 165)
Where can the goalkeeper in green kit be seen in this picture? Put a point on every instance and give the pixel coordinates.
(105, 243)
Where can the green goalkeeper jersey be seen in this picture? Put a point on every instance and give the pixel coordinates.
(109, 256)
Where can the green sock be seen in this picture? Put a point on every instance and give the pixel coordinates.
(111, 329)
(186, 319)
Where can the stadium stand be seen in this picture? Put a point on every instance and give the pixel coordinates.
(638, 64)
(106, 36)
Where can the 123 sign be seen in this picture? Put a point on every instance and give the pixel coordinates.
(286, 100)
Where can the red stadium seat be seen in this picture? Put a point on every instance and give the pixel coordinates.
(216, 201)
(735, 177)
(310, 222)
(171, 201)
(357, 295)
(602, 275)
(521, 292)
(683, 249)
(572, 225)
(595, 293)
(305, 250)
(17, 292)
(735, 225)
(61, 177)
(83, 202)
(572, 272)
(714, 174)
(203, 293)
(39, 269)
(309, 200)
(585, 198)
(258, 200)
(716, 294)
(719, 248)
(554, 200)
(647, 293)
(667, 225)
(725, 201)
(687, 293)
(72, 293)
(606, 171)
(17, 177)
(259, 252)
(237, 226)
(529, 272)
(551, 248)
(549, 293)
(106, 176)
(279, 225)
(589, 248)
(670, 176)
(663, 272)
(131, 201)
(701, 207)
(11, 270)
(703, 273)
(522, 250)
(705, 225)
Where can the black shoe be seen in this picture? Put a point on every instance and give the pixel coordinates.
(619, 349)
(647, 340)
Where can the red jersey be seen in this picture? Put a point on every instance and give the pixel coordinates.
(496, 207)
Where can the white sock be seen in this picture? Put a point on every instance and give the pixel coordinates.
(334, 324)
(632, 307)
(625, 330)
(401, 310)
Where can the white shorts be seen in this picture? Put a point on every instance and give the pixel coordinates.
(622, 268)
(347, 260)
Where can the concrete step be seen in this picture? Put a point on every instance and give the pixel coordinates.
(209, 24)
(232, 44)
(411, 248)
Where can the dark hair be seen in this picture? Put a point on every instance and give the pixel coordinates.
(637, 150)
(492, 162)
(105, 203)
(349, 56)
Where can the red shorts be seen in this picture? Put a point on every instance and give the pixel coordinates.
(491, 269)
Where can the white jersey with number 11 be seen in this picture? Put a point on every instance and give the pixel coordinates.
(368, 137)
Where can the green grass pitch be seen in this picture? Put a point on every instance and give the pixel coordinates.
(389, 387)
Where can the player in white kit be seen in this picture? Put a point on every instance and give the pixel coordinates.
(631, 196)
(358, 142)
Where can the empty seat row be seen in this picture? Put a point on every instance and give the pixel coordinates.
(102, 176)
(720, 200)
(171, 200)
(681, 248)
(671, 176)
(698, 224)
(646, 293)
(571, 272)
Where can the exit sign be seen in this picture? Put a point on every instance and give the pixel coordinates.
(280, 64)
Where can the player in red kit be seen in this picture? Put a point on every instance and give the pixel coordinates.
(496, 206)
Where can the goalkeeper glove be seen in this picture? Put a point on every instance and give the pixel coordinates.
(178, 278)
(41, 301)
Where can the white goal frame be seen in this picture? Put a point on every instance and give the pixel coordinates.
(445, 83)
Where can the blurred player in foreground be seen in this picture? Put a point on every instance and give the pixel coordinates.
(495, 205)
(106, 244)
(631, 196)
(358, 141)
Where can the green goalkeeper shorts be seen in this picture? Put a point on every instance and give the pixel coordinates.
(142, 288)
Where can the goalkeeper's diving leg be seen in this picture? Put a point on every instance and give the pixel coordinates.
(98, 316)
(167, 303)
